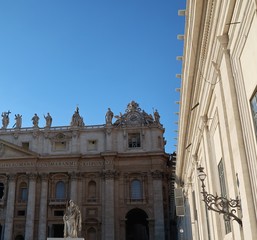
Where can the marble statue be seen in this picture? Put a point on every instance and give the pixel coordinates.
(109, 116)
(72, 220)
(35, 120)
(5, 119)
(77, 120)
(18, 120)
(48, 119)
(156, 116)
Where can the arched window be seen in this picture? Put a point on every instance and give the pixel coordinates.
(23, 192)
(60, 190)
(1, 190)
(136, 190)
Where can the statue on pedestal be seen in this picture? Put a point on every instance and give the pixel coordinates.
(72, 220)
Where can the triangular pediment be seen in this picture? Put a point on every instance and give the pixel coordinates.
(9, 150)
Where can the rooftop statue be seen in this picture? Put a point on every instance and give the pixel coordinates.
(109, 116)
(18, 121)
(48, 119)
(35, 120)
(72, 220)
(77, 120)
(5, 119)
(156, 117)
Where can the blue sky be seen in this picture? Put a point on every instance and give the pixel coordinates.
(57, 54)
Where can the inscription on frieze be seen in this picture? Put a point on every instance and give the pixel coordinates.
(55, 164)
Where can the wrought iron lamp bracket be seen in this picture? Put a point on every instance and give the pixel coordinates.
(221, 205)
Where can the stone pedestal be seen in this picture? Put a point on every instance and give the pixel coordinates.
(68, 238)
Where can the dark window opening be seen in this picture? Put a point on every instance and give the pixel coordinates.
(134, 140)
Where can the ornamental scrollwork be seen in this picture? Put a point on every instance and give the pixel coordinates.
(109, 174)
(157, 174)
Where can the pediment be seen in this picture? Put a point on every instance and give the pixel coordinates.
(9, 150)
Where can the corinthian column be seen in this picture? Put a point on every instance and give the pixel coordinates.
(158, 205)
(29, 230)
(8, 229)
(74, 186)
(43, 208)
(108, 204)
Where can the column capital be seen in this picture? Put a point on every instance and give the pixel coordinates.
(43, 176)
(74, 175)
(11, 177)
(157, 174)
(109, 174)
(32, 176)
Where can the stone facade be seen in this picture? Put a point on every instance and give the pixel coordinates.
(116, 172)
(217, 121)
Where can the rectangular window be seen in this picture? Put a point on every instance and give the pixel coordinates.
(223, 190)
(25, 145)
(134, 140)
(59, 146)
(21, 213)
(58, 213)
(92, 145)
(254, 111)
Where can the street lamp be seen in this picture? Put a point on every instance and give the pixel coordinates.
(218, 204)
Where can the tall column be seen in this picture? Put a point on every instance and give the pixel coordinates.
(74, 186)
(42, 226)
(29, 229)
(159, 231)
(108, 208)
(8, 229)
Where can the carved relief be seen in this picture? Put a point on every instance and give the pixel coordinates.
(109, 174)
(156, 174)
(134, 116)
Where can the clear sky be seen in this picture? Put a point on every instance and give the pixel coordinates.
(57, 54)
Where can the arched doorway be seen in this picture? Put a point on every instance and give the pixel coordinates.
(137, 225)
(19, 237)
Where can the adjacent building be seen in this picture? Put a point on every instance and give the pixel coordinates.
(217, 121)
(117, 173)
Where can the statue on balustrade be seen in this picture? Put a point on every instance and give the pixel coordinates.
(109, 116)
(35, 120)
(49, 120)
(18, 120)
(77, 120)
(5, 119)
(72, 220)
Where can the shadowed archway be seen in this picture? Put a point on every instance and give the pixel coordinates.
(137, 225)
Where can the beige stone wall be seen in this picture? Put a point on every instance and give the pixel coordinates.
(219, 73)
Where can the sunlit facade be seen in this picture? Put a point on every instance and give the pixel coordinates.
(117, 173)
(217, 121)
